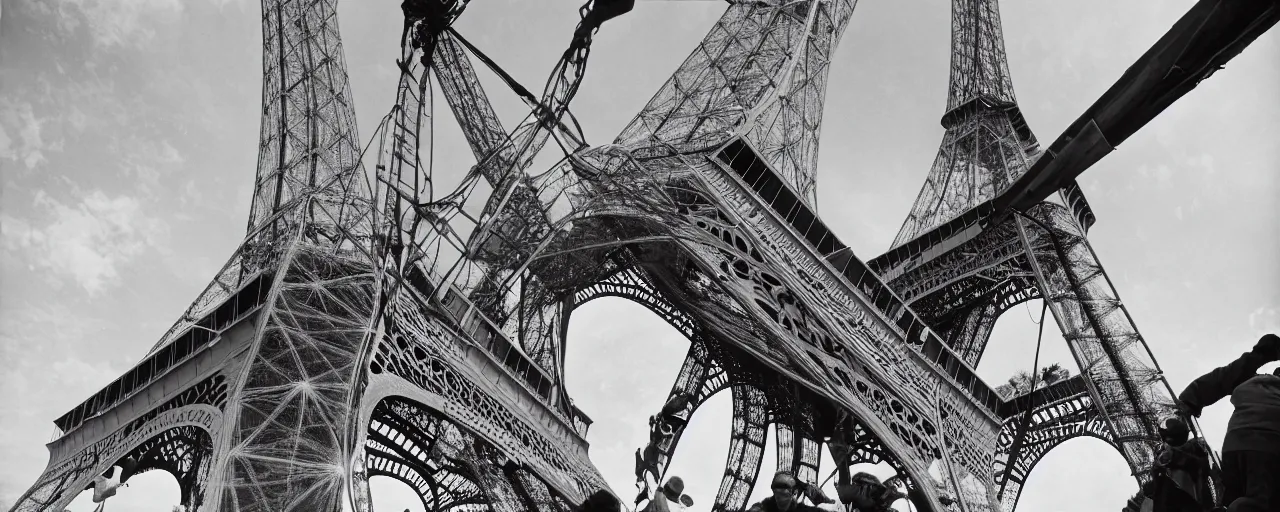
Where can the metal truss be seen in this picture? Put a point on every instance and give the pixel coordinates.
(969, 329)
(450, 468)
(632, 285)
(963, 292)
(798, 452)
(182, 452)
(172, 436)
(746, 448)
(405, 449)
(699, 379)
(396, 332)
(1048, 426)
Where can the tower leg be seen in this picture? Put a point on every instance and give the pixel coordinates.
(798, 452)
(746, 448)
(969, 337)
(284, 446)
(1120, 373)
(799, 447)
(60, 484)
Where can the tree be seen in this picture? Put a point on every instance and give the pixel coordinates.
(1020, 383)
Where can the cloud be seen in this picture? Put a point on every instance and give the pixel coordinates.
(55, 356)
(87, 242)
(28, 147)
(79, 373)
(113, 23)
(6, 144)
(148, 160)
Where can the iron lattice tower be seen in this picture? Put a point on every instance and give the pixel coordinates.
(961, 290)
(385, 328)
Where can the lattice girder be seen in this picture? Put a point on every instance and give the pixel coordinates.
(988, 254)
(470, 105)
(762, 71)
(969, 332)
(798, 452)
(964, 291)
(66, 477)
(631, 284)
(446, 465)
(746, 448)
(1049, 425)
(981, 154)
(1108, 349)
(183, 452)
(309, 147)
(425, 358)
(699, 379)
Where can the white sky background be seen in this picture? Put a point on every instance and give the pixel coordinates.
(128, 142)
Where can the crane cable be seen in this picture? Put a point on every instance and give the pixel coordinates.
(1020, 430)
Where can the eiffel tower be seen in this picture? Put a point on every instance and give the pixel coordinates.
(382, 327)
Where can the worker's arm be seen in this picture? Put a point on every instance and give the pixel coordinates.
(1220, 382)
(1190, 456)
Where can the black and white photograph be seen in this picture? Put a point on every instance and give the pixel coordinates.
(639, 256)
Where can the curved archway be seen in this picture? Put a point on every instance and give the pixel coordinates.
(445, 465)
(1011, 351)
(629, 284)
(1060, 422)
(700, 463)
(1063, 482)
(622, 358)
(176, 439)
(178, 455)
(1011, 347)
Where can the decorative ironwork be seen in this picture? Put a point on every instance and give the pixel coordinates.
(399, 333)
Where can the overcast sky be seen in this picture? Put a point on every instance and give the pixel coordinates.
(128, 142)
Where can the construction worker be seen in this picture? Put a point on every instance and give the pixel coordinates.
(1251, 448)
(787, 491)
(1180, 480)
(670, 498)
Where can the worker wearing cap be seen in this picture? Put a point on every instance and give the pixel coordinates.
(1251, 448)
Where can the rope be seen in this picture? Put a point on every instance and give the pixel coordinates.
(1035, 364)
(1031, 399)
(506, 78)
(1027, 307)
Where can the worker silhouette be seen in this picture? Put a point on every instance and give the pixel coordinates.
(1180, 476)
(787, 493)
(1251, 449)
